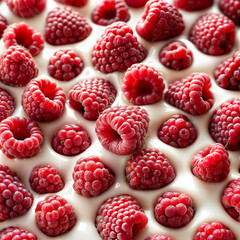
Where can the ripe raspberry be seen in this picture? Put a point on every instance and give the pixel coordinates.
(143, 85)
(117, 49)
(193, 5)
(191, 94)
(22, 34)
(54, 216)
(15, 199)
(136, 3)
(149, 169)
(45, 179)
(174, 209)
(231, 9)
(7, 104)
(160, 21)
(175, 55)
(91, 97)
(17, 67)
(110, 11)
(65, 65)
(43, 100)
(75, 3)
(91, 177)
(65, 26)
(12, 233)
(120, 218)
(122, 129)
(71, 140)
(213, 34)
(3, 24)
(211, 164)
(20, 137)
(159, 237)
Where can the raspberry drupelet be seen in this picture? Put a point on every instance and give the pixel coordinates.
(75, 3)
(3, 24)
(193, 5)
(159, 237)
(136, 3)
(231, 9)
(12, 233)
(7, 104)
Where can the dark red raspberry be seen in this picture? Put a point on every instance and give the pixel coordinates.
(43, 100)
(191, 94)
(120, 218)
(231, 9)
(117, 49)
(65, 65)
(177, 131)
(91, 177)
(17, 67)
(12, 233)
(174, 209)
(160, 21)
(159, 237)
(91, 97)
(175, 55)
(213, 34)
(21, 34)
(122, 129)
(54, 216)
(7, 104)
(64, 26)
(149, 169)
(20, 137)
(45, 179)
(15, 199)
(143, 85)
(193, 5)
(3, 24)
(136, 3)
(71, 140)
(75, 3)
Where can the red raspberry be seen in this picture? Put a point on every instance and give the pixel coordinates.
(71, 140)
(91, 97)
(231, 9)
(43, 100)
(3, 24)
(213, 34)
(20, 137)
(22, 34)
(65, 65)
(136, 3)
(143, 85)
(7, 104)
(149, 169)
(65, 26)
(175, 55)
(177, 131)
(54, 216)
(110, 11)
(75, 3)
(117, 49)
(45, 179)
(12, 233)
(174, 209)
(17, 67)
(160, 21)
(211, 164)
(122, 129)
(159, 237)
(193, 5)
(91, 177)
(120, 218)
(191, 94)
(15, 199)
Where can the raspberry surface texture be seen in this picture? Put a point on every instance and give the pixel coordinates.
(122, 129)
(7, 104)
(231, 9)
(3, 24)
(193, 5)
(117, 49)
(12, 233)
(159, 237)
(75, 3)
(136, 3)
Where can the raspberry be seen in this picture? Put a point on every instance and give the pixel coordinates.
(122, 129)
(160, 21)
(3, 24)
(159, 237)
(7, 104)
(91, 97)
(149, 169)
(119, 218)
(21, 34)
(174, 209)
(213, 34)
(211, 164)
(43, 100)
(17, 67)
(20, 137)
(15, 199)
(91, 177)
(175, 55)
(231, 9)
(177, 131)
(143, 85)
(110, 11)
(117, 49)
(65, 65)
(193, 5)
(45, 179)
(136, 3)
(71, 140)
(214, 230)
(75, 3)
(65, 26)
(54, 216)
(191, 94)
(12, 233)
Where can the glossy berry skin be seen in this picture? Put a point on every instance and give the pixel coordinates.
(136, 3)
(7, 104)
(3, 24)
(231, 9)
(193, 5)
(12, 233)
(75, 3)
(159, 237)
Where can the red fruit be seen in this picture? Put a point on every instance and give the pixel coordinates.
(7, 104)
(193, 5)
(75, 3)
(136, 3)
(3, 24)
(231, 9)
(159, 237)
(12, 233)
